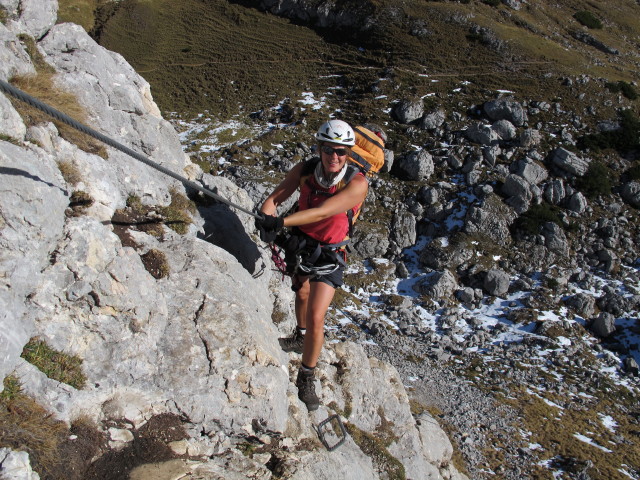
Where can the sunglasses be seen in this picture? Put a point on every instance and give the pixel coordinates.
(341, 152)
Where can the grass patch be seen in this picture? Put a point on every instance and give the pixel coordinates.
(149, 219)
(178, 213)
(588, 19)
(4, 16)
(7, 138)
(375, 448)
(42, 87)
(78, 203)
(70, 172)
(80, 12)
(56, 365)
(26, 426)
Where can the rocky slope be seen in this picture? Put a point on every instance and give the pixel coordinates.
(495, 267)
(108, 266)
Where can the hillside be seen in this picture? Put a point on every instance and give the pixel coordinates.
(496, 264)
(573, 68)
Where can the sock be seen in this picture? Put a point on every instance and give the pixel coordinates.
(301, 330)
(307, 370)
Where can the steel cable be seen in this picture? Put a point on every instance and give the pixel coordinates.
(58, 115)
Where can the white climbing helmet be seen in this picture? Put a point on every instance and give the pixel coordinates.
(336, 131)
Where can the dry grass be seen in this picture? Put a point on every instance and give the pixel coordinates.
(42, 86)
(44, 89)
(70, 172)
(26, 426)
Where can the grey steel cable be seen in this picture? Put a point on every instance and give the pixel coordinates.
(58, 115)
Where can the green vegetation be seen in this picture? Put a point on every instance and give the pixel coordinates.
(597, 180)
(492, 3)
(623, 87)
(625, 139)
(176, 216)
(3, 15)
(533, 219)
(588, 19)
(376, 448)
(633, 173)
(12, 389)
(56, 365)
(7, 138)
(78, 11)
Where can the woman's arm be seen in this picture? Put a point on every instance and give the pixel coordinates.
(283, 191)
(353, 194)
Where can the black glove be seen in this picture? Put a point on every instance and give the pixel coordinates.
(268, 227)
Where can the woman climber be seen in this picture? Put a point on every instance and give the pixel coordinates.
(331, 192)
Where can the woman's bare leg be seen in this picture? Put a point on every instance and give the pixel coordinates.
(318, 301)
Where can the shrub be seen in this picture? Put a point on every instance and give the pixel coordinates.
(3, 15)
(623, 87)
(491, 3)
(588, 19)
(626, 138)
(532, 220)
(597, 180)
(633, 173)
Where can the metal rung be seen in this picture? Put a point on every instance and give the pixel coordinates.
(321, 433)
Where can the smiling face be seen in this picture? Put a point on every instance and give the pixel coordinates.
(333, 156)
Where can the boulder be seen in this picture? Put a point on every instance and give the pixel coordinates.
(506, 109)
(604, 325)
(631, 193)
(31, 17)
(496, 282)
(416, 165)
(569, 162)
(14, 60)
(408, 110)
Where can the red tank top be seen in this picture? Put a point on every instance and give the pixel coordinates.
(334, 229)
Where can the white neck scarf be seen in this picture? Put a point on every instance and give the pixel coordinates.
(328, 182)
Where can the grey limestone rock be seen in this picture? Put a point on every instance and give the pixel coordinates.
(496, 282)
(569, 162)
(31, 17)
(408, 110)
(506, 109)
(631, 193)
(416, 165)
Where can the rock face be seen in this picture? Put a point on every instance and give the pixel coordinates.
(198, 341)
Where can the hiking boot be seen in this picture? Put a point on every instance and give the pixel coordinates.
(307, 390)
(294, 343)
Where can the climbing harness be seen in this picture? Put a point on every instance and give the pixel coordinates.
(295, 252)
(49, 110)
(323, 429)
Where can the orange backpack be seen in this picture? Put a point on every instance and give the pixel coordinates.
(368, 152)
